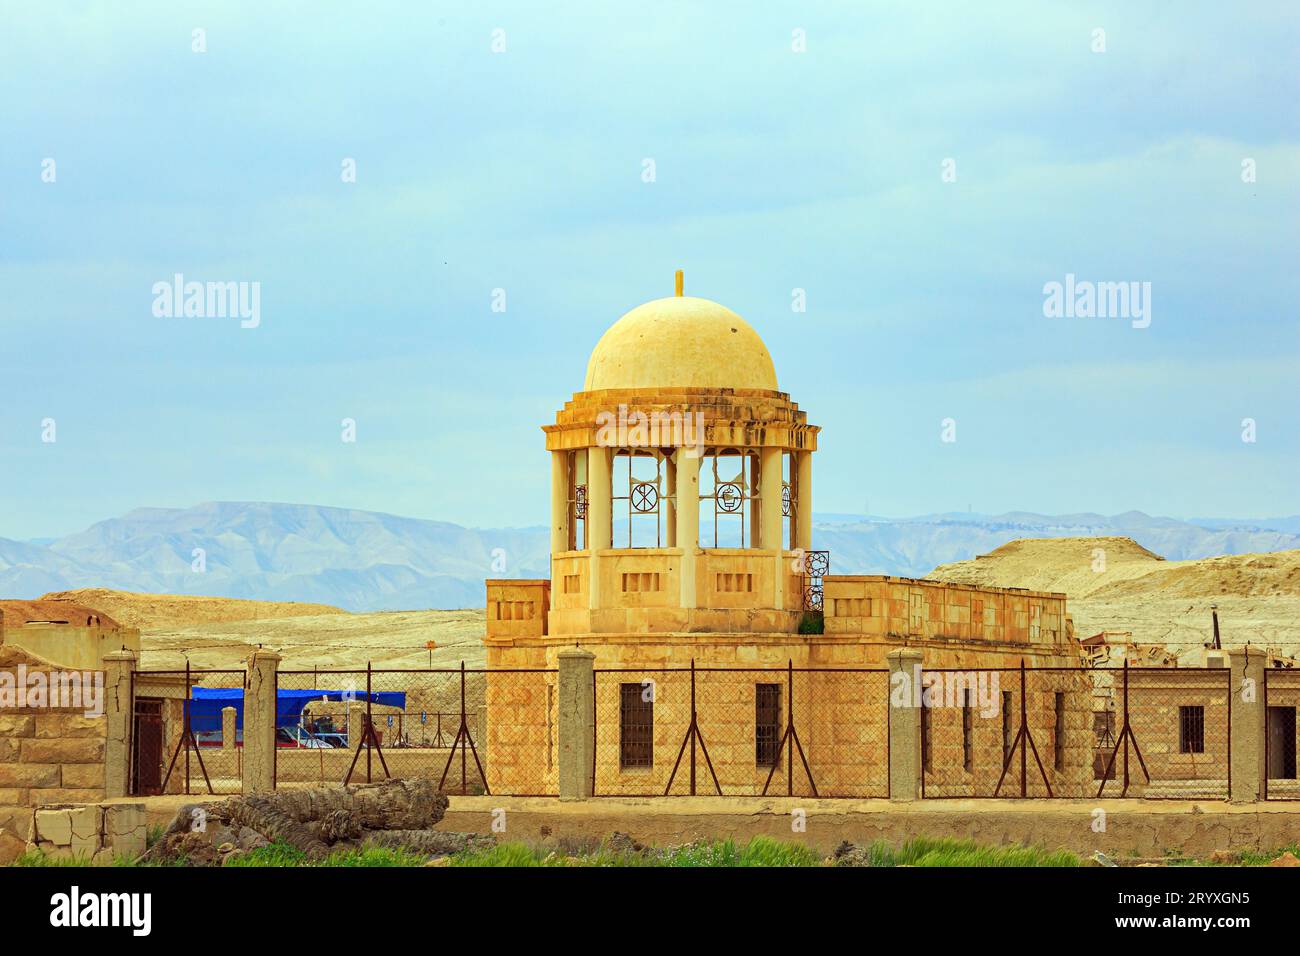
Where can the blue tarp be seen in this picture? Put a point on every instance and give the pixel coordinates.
(208, 702)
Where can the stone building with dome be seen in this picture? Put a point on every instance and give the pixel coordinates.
(682, 533)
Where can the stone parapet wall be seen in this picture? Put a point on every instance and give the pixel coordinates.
(906, 608)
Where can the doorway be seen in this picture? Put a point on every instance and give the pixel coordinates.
(146, 747)
(1281, 743)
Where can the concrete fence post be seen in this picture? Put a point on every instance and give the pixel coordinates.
(577, 716)
(1249, 749)
(904, 724)
(228, 731)
(259, 722)
(119, 666)
(356, 724)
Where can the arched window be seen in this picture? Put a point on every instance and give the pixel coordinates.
(729, 510)
(638, 497)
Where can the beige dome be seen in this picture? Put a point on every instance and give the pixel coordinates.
(680, 342)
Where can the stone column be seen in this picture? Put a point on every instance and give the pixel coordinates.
(118, 708)
(228, 730)
(1249, 748)
(259, 722)
(770, 504)
(904, 724)
(599, 529)
(803, 506)
(559, 501)
(577, 716)
(688, 520)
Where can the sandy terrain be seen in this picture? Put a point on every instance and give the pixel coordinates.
(152, 610)
(218, 632)
(386, 639)
(1160, 602)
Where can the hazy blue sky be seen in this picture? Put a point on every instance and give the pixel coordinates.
(523, 170)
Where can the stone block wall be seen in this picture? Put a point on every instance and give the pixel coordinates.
(519, 748)
(94, 832)
(49, 757)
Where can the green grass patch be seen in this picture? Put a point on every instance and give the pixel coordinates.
(760, 851)
(925, 851)
(281, 854)
(40, 858)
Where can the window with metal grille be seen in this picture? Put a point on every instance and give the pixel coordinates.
(966, 748)
(1058, 733)
(636, 726)
(925, 737)
(767, 723)
(1191, 730)
(1007, 734)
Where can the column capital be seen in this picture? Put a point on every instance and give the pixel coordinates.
(903, 656)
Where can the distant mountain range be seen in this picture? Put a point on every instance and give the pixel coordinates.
(367, 561)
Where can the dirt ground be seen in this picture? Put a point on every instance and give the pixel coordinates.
(1132, 828)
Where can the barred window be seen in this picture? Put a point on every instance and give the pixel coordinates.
(1007, 734)
(1191, 730)
(636, 725)
(966, 748)
(1058, 733)
(767, 723)
(925, 737)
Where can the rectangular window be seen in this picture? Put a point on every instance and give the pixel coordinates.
(767, 723)
(1008, 735)
(550, 727)
(925, 737)
(636, 725)
(966, 749)
(1058, 733)
(1191, 730)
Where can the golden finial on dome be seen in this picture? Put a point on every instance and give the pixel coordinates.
(679, 281)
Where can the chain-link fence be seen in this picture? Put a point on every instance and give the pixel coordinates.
(1005, 732)
(732, 731)
(1174, 737)
(1076, 732)
(1154, 732)
(186, 731)
(358, 726)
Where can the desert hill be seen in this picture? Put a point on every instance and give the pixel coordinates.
(66, 610)
(215, 632)
(387, 639)
(147, 611)
(1159, 601)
